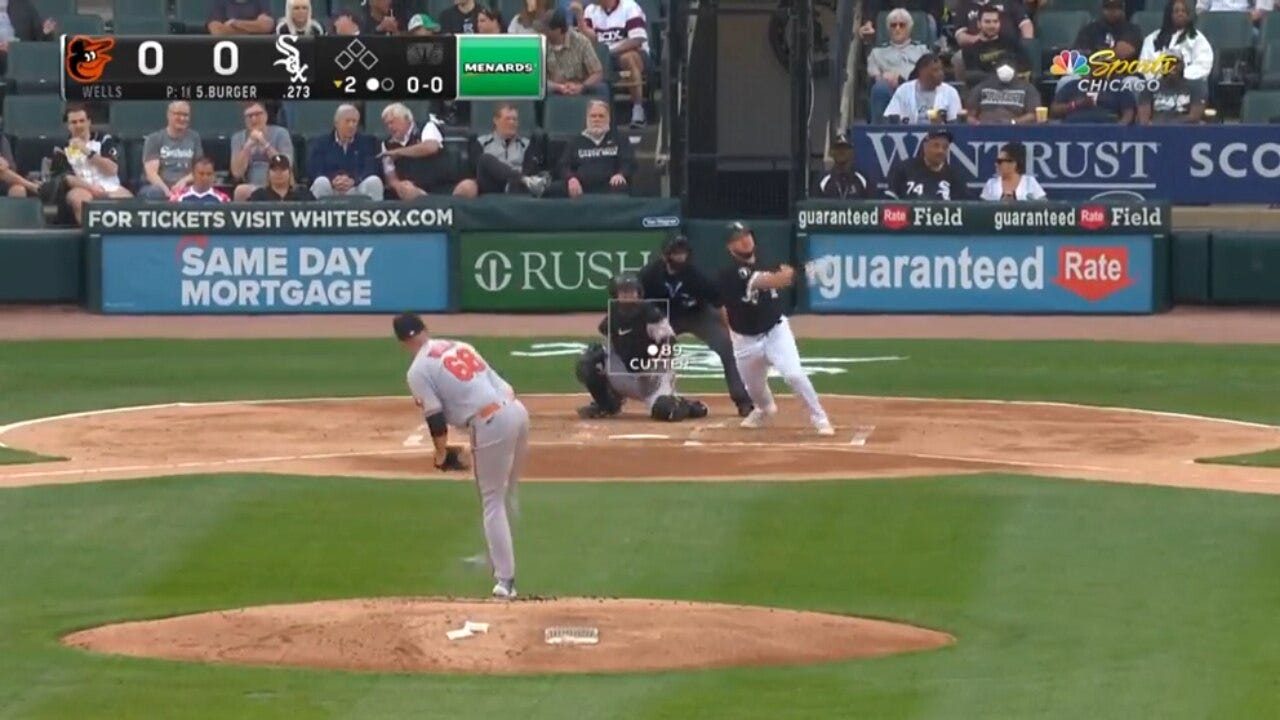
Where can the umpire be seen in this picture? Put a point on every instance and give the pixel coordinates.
(693, 308)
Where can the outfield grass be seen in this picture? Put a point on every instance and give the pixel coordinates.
(1268, 458)
(1069, 600)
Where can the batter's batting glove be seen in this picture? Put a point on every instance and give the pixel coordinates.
(452, 460)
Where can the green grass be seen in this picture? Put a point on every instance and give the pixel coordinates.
(1126, 620)
(1268, 458)
(10, 456)
(1069, 600)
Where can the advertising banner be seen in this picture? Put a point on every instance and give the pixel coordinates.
(1183, 164)
(141, 218)
(547, 271)
(243, 274)
(1008, 274)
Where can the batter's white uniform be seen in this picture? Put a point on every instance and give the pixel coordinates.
(451, 377)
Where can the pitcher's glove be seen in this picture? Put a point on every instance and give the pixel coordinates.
(452, 460)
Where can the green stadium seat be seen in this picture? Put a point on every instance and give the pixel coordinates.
(1270, 32)
(482, 116)
(192, 15)
(1057, 30)
(1148, 21)
(214, 119)
(434, 7)
(315, 118)
(34, 125)
(1090, 6)
(1271, 67)
(131, 163)
(1261, 106)
(137, 119)
(1231, 35)
(141, 25)
(21, 213)
(509, 9)
(1031, 47)
(372, 116)
(139, 8)
(78, 24)
(919, 28)
(565, 115)
(55, 8)
(34, 68)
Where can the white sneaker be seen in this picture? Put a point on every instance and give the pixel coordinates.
(759, 417)
(824, 427)
(505, 590)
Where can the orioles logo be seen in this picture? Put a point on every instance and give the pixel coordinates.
(87, 57)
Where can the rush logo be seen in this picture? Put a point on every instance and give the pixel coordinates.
(895, 217)
(1093, 273)
(1093, 217)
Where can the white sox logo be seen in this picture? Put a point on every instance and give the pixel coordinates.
(291, 58)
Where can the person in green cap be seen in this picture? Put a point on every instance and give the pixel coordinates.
(423, 24)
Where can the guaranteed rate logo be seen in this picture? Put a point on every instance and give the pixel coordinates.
(1105, 71)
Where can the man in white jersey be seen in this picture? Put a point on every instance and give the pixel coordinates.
(455, 386)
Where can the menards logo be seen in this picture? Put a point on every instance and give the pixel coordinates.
(701, 362)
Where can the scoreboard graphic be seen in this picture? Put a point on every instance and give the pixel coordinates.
(287, 67)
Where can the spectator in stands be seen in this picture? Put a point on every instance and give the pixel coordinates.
(253, 146)
(423, 24)
(12, 183)
(1004, 98)
(1178, 101)
(524, 21)
(374, 17)
(599, 160)
(573, 68)
(1111, 31)
(280, 185)
(345, 162)
(201, 189)
(928, 175)
(299, 20)
(414, 161)
(20, 20)
(240, 17)
(890, 64)
(489, 22)
(622, 26)
(843, 182)
(1011, 181)
(167, 154)
(979, 58)
(1178, 36)
(926, 94)
(460, 18)
(504, 161)
(1077, 103)
(87, 168)
(872, 9)
(1257, 9)
(1015, 26)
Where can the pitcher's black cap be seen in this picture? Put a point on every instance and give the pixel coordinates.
(407, 325)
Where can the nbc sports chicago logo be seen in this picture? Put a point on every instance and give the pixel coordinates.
(1103, 71)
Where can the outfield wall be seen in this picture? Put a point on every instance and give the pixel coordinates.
(505, 254)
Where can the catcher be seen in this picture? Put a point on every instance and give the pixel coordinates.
(637, 363)
(455, 386)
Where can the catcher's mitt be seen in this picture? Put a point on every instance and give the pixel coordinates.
(453, 460)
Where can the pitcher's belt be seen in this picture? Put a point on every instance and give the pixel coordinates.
(486, 413)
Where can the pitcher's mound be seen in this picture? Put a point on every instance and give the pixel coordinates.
(409, 635)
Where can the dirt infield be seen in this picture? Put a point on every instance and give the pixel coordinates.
(877, 437)
(409, 635)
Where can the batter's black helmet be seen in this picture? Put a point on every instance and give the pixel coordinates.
(625, 281)
(736, 230)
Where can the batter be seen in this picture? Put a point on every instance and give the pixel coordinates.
(760, 332)
(454, 385)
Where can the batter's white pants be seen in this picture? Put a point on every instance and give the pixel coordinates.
(755, 354)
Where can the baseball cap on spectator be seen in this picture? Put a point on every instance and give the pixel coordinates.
(279, 161)
(1108, 4)
(939, 133)
(423, 21)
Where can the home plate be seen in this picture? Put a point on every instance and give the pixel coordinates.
(640, 436)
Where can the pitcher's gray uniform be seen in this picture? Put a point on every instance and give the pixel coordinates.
(450, 376)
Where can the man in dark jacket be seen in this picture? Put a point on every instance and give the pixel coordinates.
(346, 161)
(928, 176)
(24, 23)
(692, 302)
(598, 160)
(843, 182)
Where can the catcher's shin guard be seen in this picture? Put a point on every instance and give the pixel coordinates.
(590, 372)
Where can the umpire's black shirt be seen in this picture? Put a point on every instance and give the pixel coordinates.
(628, 332)
(687, 289)
(754, 311)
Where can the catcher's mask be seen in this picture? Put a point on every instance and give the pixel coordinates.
(676, 251)
(626, 287)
